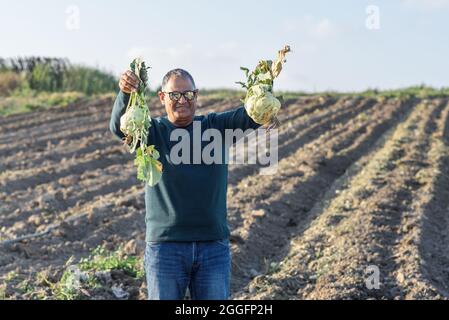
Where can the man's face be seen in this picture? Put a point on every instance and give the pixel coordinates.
(180, 112)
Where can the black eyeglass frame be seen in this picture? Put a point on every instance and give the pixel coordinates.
(182, 94)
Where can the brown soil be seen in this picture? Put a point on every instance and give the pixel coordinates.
(361, 182)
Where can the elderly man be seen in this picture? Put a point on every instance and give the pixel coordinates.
(187, 233)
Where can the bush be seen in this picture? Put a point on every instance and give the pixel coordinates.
(10, 81)
(88, 80)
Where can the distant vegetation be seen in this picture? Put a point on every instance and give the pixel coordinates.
(43, 74)
(421, 91)
(33, 83)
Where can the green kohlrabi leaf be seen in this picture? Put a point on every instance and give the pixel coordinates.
(135, 124)
(149, 169)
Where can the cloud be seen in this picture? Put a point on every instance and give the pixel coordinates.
(313, 27)
(427, 4)
(211, 66)
(324, 28)
(173, 52)
(187, 52)
(135, 52)
(229, 45)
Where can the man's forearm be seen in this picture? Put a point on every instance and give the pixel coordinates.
(117, 111)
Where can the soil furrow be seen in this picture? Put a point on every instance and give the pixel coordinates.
(301, 133)
(357, 228)
(13, 181)
(317, 171)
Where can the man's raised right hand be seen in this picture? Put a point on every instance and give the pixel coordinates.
(128, 82)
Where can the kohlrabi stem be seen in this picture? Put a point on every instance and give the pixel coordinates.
(131, 100)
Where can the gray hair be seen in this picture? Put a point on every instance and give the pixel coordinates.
(177, 73)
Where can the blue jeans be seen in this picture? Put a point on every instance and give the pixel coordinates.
(202, 266)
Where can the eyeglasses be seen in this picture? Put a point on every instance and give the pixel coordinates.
(189, 95)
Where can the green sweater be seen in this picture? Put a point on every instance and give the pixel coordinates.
(189, 202)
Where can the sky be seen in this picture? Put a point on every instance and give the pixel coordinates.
(347, 45)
